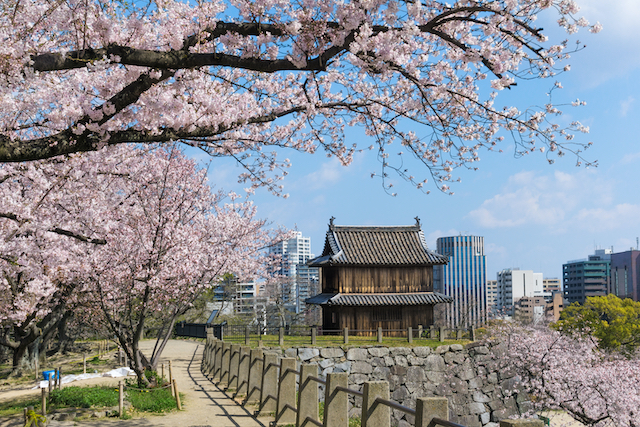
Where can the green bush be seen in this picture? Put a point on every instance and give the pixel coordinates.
(84, 397)
(151, 400)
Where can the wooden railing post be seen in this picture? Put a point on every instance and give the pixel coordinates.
(442, 333)
(234, 362)
(210, 351)
(224, 368)
(120, 399)
(269, 389)
(307, 395)
(380, 334)
(217, 364)
(375, 414)
(420, 331)
(410, 335)
(428, 408)
(243, 371)
(345, 333)
(336, 402)
(255, 377)
(314, 335)
(432, 332)
(286, 392)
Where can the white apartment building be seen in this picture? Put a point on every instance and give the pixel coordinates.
(492, 297)
(294, 254)
(514, 284)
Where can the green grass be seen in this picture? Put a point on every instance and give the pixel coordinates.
(152, 400)
(16, 406)
(337, 341)
(84, 397)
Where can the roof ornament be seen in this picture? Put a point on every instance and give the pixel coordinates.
(331, 222)
(418, 222)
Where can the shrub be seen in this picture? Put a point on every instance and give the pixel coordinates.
(84, 397)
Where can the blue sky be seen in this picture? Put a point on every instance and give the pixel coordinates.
(532, 215)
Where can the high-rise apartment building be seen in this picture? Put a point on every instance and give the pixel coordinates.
(294, 254)
(625, 274)
(492, 297)
(463, 278)
(587, 277)
(514, 284)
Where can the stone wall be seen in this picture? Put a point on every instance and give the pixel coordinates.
(479, 394)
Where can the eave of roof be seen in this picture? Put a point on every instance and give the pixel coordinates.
(370, 300)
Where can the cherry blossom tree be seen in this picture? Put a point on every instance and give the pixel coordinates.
(251, 79)
(170, 238)
(44, 240)
(134, 234)
(571, 374)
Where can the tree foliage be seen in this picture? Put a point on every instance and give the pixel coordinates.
(245, 79)
(558, 371)
(613, 322)
(130, 235)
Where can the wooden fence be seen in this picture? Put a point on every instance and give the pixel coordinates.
(313, 335)
(277, 386)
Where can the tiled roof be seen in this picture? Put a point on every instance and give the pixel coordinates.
(361, 245)
(363, 300)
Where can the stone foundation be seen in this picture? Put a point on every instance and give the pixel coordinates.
(479, 394)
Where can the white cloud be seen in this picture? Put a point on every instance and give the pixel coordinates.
(625, 106)
(630, 158)
(531, 198)
(329, 173)
(618, 17)
(609, 218)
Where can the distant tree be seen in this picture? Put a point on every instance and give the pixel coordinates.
(557, 371)
(245, 79)
(613, 322)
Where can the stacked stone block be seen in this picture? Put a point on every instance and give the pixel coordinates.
(479, 393)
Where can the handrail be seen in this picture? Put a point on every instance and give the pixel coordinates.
(350, 391)
(312, 421)
(399, 407)
(318, 380)
(287, 406)
(286, 371)
(444, 423)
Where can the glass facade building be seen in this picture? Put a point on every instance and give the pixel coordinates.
(587, 278)
(463, 278)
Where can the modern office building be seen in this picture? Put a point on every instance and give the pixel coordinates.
(514, 284)
(294, 254)
(587, 277)
(625, 274)
(552, 285)
(463, 278)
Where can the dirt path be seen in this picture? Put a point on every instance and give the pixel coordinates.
(205, 404)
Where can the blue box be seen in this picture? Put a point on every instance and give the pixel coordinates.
(51, 373)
